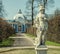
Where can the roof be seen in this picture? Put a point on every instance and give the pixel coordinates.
(20, 17)
(19, 14)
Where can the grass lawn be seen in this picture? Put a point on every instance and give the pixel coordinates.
(52, 43)
(31, 36)
(47, 42)
(13, 35)
(50, 51)
(6, 42)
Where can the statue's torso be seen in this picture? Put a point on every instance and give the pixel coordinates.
(40, 21)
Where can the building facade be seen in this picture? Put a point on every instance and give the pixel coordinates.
(19, 22)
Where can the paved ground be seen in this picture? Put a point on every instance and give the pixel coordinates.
(21, 40)
(24, 45)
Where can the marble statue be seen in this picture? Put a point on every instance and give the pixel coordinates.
(41, 24)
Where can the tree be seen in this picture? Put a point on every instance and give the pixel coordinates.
(57, 12)
(32, 4)
(54, 27)
(45, 3)
(31, 11)
(2, 11)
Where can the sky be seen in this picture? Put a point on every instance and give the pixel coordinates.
(12, 6)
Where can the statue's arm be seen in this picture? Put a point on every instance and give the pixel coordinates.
(35, 22)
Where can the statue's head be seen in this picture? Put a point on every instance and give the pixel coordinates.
(41, 9)
(19, 11)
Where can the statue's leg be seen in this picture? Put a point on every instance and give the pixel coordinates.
(38, 39)
(44, 38)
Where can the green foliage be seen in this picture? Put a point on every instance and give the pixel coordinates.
(6, 42)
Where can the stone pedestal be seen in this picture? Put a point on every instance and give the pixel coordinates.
(41, 49)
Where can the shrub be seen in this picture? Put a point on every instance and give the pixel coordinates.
(5, 30)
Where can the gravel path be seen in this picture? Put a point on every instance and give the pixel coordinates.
(21, 40)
